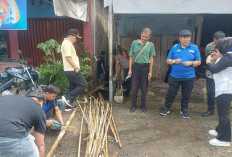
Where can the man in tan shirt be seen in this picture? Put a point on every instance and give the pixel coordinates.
(77, 82)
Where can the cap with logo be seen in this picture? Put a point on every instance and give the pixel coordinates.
(74, 32)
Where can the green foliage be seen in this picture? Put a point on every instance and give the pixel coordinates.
(119, 92)
(52, 71)
(49, 48)
(85, 60)
(53, 74)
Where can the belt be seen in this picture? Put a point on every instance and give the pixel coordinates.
(141, 64)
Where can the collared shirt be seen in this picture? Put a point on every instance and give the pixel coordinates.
(190, 53)
(67, 49)
(144, 57)
(208, 50)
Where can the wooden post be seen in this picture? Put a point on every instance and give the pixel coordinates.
(199, 31)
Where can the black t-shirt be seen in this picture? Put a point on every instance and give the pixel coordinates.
(100, 60)
(17, 116)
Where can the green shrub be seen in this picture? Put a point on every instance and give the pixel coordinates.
(53, 74)
(85, 60)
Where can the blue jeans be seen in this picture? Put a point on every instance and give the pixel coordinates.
(18, 147)
(60, 104)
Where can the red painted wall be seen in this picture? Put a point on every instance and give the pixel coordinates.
(13, 44)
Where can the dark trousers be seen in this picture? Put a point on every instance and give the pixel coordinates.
(127, 83)
(167, 74)
(210, 85)
(77, 84)
(223, 102)
(139, 77)
(186, 90)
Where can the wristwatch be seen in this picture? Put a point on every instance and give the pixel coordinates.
(173, 61)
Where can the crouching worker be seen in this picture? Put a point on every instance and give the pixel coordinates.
(17, 116)
(53, 108)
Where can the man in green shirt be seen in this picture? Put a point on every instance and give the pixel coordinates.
(210, 85)
(140, 67)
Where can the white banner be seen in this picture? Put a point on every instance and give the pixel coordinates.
(76, 9)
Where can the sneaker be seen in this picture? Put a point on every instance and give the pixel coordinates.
(66, 101)
(184, 113)
(213, 132)
(165, 111)
(68, 108)
(207, 113)
(144, 109)
(216, 142)
(132, 109)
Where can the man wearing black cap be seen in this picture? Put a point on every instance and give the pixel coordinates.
(17, 116)
(183, 57)
(77, 82)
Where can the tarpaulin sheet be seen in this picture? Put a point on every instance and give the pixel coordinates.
(172, 6)
(76, 9)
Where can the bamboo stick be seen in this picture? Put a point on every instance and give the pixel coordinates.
(102, 129)
(100, 118)
(114, 126)
(79, 146)
(106, 131)
(82, 112)
(60, 136)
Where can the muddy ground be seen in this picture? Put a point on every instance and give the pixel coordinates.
(150, 134)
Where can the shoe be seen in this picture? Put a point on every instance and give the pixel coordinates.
(144, 109)
(68, 108)
(207, 113)
(184, 113)
(66, 101)
(165, 111)
(216, 142)
(213, 132)
(132, 109)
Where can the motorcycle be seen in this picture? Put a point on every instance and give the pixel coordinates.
(18, 80)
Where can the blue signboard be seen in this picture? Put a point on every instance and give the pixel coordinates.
(13, 14)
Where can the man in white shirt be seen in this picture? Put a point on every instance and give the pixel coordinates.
(77, 82)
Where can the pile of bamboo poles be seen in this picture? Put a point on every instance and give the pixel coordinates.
(98, 117)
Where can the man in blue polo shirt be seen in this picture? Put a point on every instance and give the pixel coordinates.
(183, 58)
(53, 108)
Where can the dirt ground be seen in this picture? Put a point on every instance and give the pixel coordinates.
(150, 134)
